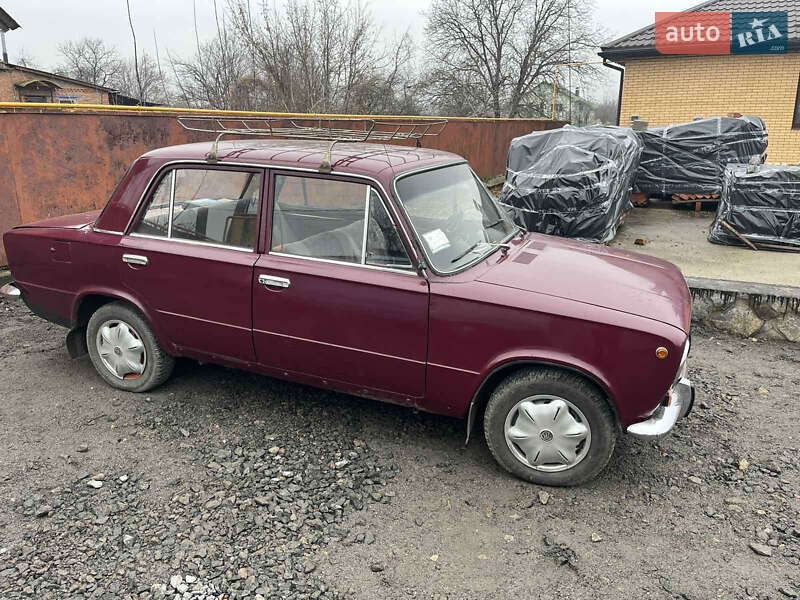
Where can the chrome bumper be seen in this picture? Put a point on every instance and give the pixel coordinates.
(661, 422)
(11, 291)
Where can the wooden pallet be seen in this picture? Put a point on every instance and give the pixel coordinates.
(696, 199)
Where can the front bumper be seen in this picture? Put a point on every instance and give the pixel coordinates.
(680, 400)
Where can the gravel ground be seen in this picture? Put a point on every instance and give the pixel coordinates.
(223, 484)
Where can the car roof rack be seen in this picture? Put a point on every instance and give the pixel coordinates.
(333, 130)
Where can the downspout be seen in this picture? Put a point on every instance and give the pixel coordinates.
(621, 70)
(5, 53)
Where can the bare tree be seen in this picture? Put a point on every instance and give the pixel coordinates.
(457, 93)
(26, 59)
(299, 56)
(146, 86)
(493, 53)
(319, 55)
(90, 59)
(219, 75)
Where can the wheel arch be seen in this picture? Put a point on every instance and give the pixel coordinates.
(500, 372)
(86, 304)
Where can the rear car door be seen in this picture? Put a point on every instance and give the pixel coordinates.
(189, 257)
(335, 297)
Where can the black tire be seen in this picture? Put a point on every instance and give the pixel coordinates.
(158, 364)
(565, 385)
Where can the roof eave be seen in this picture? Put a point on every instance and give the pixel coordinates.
(7, 22)
(46, 74)
(620, 55)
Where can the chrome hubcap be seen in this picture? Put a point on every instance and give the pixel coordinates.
(121, 349)
(547, 433)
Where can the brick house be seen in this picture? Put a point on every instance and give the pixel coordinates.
(23, 84)
(664, 89)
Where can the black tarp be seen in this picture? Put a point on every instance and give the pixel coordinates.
(572, 182)
(690, 158)
(762, 205)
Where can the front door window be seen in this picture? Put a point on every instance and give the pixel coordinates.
(335, 220)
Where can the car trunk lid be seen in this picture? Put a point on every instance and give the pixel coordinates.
(75, 221)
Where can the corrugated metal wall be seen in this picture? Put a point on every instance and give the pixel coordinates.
(56, 161)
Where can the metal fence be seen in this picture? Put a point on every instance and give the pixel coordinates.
(57, 159)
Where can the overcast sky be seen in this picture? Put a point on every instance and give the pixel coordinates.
(45, 23)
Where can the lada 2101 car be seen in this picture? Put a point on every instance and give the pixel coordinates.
(387, 272)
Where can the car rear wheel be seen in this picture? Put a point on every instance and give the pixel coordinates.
(550, 427)
(125, 351)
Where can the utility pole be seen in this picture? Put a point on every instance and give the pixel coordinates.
(569, 61)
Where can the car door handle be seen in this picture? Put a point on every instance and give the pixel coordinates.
(135, 259)
(270, 281)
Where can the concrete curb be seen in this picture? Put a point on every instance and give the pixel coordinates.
(744, 287)
(747, 309)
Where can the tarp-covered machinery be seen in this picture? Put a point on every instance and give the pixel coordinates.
(690, 158)
(759, 207)
(572, 182)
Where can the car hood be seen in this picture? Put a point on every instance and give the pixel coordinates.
(75, 221)
(593, 274)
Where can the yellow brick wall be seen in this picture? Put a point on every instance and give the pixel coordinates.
(83, 95)
(675, 89)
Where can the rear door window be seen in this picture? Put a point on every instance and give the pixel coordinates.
(212, 206)
(155, 220)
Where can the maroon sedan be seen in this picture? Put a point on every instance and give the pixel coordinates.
(392, 275)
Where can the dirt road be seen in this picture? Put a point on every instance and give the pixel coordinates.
(223, 484)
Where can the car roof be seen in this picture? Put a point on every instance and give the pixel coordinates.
(371, 159)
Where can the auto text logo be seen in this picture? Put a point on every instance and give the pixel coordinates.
(721, 32)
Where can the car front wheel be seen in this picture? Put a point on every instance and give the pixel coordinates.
(550, 427)
(124, 349)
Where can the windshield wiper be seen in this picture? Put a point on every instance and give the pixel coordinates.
(497, 222)
(465, 252)
(504, 248)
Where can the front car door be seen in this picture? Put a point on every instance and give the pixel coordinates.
(189, 258)
(335, 298)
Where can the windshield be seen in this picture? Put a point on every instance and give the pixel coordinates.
(455, 217)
